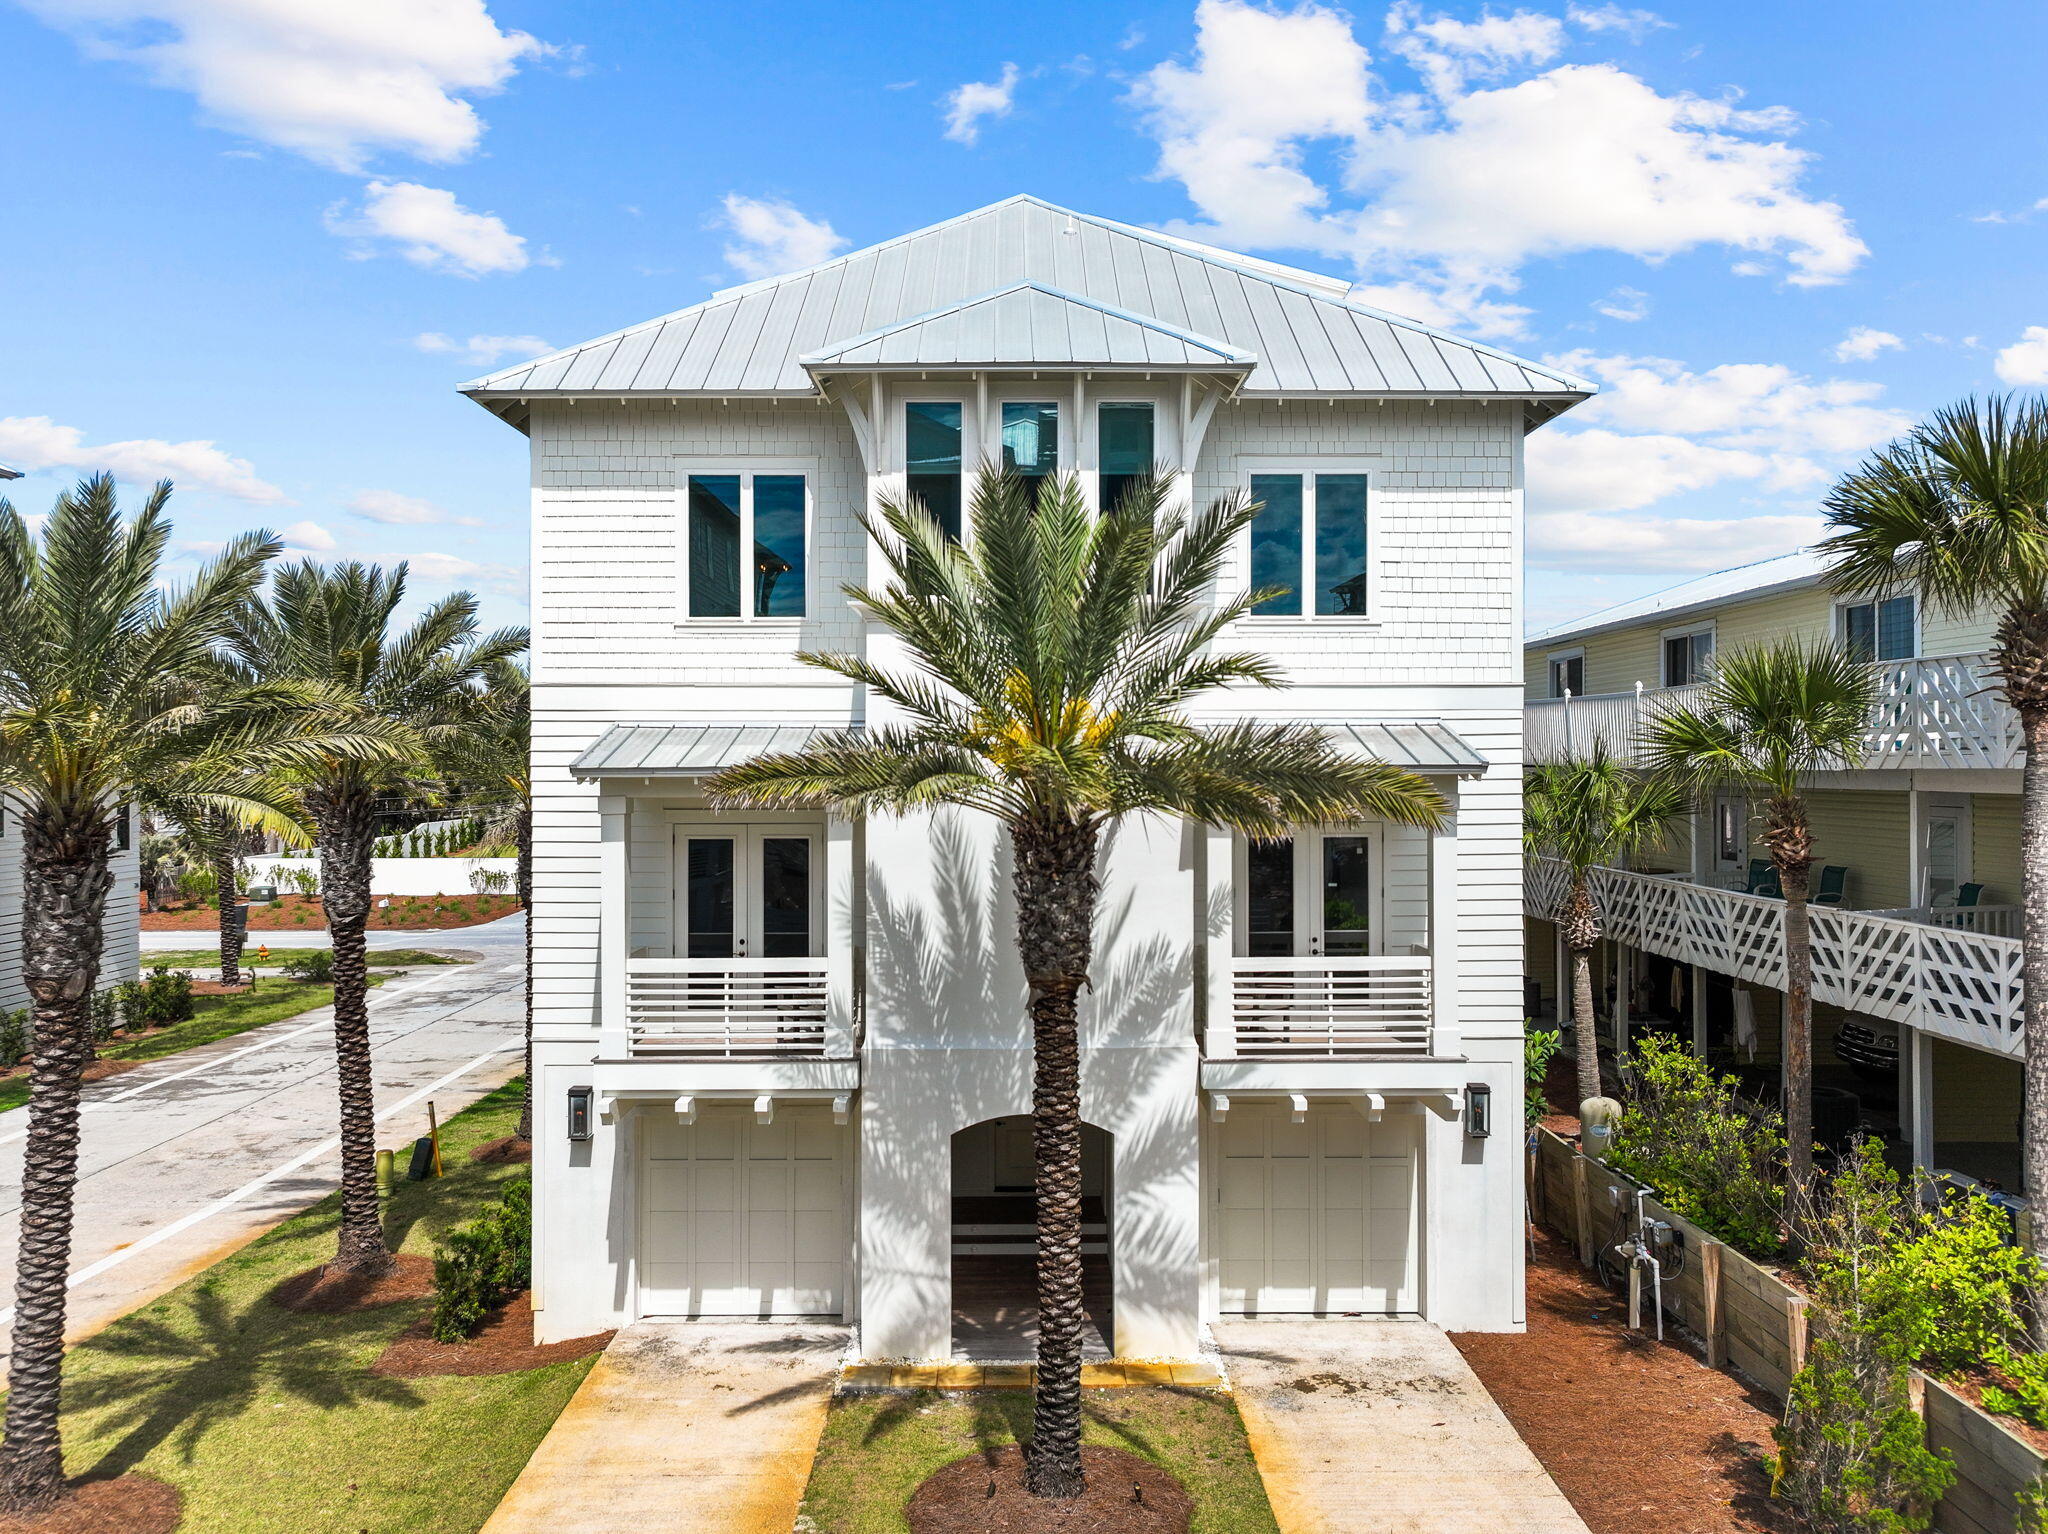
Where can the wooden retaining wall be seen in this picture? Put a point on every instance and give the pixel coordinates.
(1752, 1320)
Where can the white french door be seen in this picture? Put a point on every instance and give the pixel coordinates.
(748, 892)
(1308, 895)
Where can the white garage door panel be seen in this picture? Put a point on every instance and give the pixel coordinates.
(1318, 1216)
(743, 1219)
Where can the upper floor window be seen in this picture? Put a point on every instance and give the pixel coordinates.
(932, 458)
(1031, 443)
(1687, 657)
(1309, 535)
(123, 835)
(746, 545)
(1568, 674)
(1123, 448)
(1881, 630)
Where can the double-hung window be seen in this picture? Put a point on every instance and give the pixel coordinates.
(933, 458)
(1688, 657)
(746, 553)
(1124, 451)
(1309, 536)
(1880, 630)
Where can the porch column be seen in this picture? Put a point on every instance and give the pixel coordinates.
(841, 1041)
(1447, 1032)
(1698, 991)
(614, 942)
(1218, 918)
(1624, 984)
(1916, 1093)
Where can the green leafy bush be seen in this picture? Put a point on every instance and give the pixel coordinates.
(106, 1015)
(17, 1030)
(479, 1266)
(1538, 1046)
(1712, 1155)
(2025, 1393)
(164, 997)
(1953, 1289)
(315, 966)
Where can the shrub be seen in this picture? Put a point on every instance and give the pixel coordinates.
(1711, 1154)
(106, 1016)
(1538, 1045)
(315, 965)
(1953, 1289)
(164, 997)
(303, 881)
(2025, 1392)
(479, 1266)
(17, 1032)
(490, 881)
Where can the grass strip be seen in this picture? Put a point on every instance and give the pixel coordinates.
(269, 1420)
(878, 1449)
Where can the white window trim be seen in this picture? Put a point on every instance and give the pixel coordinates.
(1840, 629)
(1576, 652)
(1308, 466)
(1684, 631)
(746, 467)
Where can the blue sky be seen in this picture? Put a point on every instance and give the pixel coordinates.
(255, 243)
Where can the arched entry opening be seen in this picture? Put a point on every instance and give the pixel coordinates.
(995, 1209)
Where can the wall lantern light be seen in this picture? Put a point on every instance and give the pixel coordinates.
(1478, 1110)
(579, 1113)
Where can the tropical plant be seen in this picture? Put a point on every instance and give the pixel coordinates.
(480, 1265)
(331, 627)
(97, 664)
(1054, 654)
(1539, 1045)
(1957, 512)
(1772, 714)
(1589, 812)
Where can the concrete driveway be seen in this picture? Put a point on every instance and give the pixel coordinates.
(1381, 1425)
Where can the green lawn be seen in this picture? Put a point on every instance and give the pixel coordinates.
(209, 958)
(271, 1421)
(213, 1017)
(878, 1449)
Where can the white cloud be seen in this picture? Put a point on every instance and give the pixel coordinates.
(2023, 362)
(1624, 303)
(1760, 406)
(1596, 470)
(773, 237)
(1635, 25)
(36, 442)
(308, 538)
(482, 351)
(1451, 192)
(1577, 541)
(392, 509)
(454, 570)
(334, 83)
(1448, 52)
(431, 229)
(1862, 343)
(966, 105)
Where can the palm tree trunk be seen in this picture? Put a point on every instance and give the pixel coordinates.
(2034, 985)
(347, 827)
(1579, 924)
(232, 934)
(1790, 841)
(1056, 889)
(523, 833)
(65, 885)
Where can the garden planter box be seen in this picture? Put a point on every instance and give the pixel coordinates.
(1754, 1321)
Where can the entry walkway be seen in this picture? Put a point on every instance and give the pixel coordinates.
(683, 1427)
(1381, 1425)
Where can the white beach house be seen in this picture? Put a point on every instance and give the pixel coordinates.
(783, 1064)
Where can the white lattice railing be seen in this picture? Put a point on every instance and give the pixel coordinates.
(1961, 984)
(1288, 1009)
(1944, 712)
(1993, 920)
(726, 1007)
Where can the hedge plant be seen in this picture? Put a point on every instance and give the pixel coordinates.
(481, 1265)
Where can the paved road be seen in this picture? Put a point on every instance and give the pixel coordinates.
(503, 938)
(191, 1156)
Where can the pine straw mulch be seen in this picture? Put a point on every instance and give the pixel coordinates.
(509, 1150)
(984, 1494)
(304, 913)
(316, 1292)
(1630, 1429)
(505, 1345)
(128, 1504)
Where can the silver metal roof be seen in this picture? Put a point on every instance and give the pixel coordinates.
(7, 473)
(698, 750)
(1306, 337)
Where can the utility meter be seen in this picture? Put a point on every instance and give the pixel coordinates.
(1598, 1117)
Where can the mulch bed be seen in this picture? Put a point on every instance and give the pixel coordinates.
(1629, 1428)
(129, 1504)
(507, 1151)
(505, 1345)
(984, 1493)
(1970, 1387)
(315, 1292)
(303, 913)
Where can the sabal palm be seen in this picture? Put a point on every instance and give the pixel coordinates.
(488, 761)
(1589, 812)
(1771, 715)
(1958, 513)
(1050, 664)
(97, 670)
(332, 626)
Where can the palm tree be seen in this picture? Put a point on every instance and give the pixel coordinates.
(1771, 714)
(97, 663)
(1587, 813)
(1054, 654)
(489, 762)
(332, 627)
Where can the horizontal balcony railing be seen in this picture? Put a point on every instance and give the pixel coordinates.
(1964, 985)
(726, 1008)
(1291, 1009)
(1940, 712)
(1992, 920)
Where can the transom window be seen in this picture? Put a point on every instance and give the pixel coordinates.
(1882, 630)
(932, 458)
(1124, 448)
(1309, 536)
(1568, 675)
(747, 535)
(1688, 657)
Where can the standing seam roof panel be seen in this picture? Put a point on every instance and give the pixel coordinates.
(771, 351)
(1465, 368)
(1429, 363)
(1306, 331)
(658, 368)
(1386, 350)
(624, 364)
(694, 367)
(1290, 370)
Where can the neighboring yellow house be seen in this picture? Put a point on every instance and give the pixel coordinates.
(1918, 1022)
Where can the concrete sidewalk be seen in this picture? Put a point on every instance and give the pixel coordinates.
(1382, 1425)
(684, 1427)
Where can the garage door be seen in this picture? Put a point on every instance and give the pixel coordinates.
(739, 1218)
(1318, 1216)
